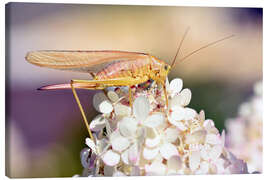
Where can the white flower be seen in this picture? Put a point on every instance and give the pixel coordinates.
(175, 87)
(150, 139)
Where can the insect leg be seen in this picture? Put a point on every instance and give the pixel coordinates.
(95, 77)
(165, 93)
(102, 84)
(81, 109)
(130, 96)
(166, 96)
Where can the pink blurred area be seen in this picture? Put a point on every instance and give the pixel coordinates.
(47, 119)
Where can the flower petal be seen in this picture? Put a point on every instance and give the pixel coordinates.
(196, 137)
(155, 169)
(84, 157)
(171, 134)
(190, 113)
(128, 126)
(220, 165)
(101, 103)
(113, 96)
(204, 168)
(124, 156)
(98, 123)
(152, 138)
(140, 134)
(111, 158)
(141, 108)
(185, 97)
(174, 163)
(154, 120)
(176, 86)
(152, 142)
(167, 150)
(120, 143)
(102, 144)
(215, 152)
(177, 124)
(182, 99)
(208, 124)
(158, 159)
(121, 110)
(194, 160)
(213, 139)
(178, 114)
(87, 162)
(133, 153)
(205, 152)
(150, 154)
(114, 135)
(105, 107)
(202, 116)
(89, 142)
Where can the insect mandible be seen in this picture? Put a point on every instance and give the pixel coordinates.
(108, 68)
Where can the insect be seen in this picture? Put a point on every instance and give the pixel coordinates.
(108, 68)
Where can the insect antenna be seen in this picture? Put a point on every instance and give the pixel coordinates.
(179, 47)
(203, 47)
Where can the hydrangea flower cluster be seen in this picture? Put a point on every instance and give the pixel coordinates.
(244, 136)
(149, 138)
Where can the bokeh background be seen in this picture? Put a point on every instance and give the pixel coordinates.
(44, 130)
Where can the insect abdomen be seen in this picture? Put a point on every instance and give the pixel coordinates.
(119, 69)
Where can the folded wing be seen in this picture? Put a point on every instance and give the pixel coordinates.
(80, 61)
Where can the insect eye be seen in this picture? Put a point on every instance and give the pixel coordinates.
(166, 67)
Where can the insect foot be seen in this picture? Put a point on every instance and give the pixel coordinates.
(151, 141)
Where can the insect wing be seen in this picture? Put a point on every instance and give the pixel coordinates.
(81, 61)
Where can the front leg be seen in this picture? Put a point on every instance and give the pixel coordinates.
(163, 83)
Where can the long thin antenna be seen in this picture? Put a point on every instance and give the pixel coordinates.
(178, 50)
(203, 47)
